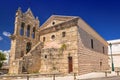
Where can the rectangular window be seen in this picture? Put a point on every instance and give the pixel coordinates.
(22, 53)
(39, 38)
(43, 39)
(103, 50)
(63, 34)
(92, 44)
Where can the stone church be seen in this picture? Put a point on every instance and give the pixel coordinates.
(63, 44)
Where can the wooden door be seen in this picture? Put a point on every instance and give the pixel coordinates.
(70, 65)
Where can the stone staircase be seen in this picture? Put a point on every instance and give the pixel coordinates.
(39, 45)
(32, 58)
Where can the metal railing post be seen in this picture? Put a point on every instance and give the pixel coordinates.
(53, 76)
(27, 77)
(74, 76)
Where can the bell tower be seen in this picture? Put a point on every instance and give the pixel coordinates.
(25, 36)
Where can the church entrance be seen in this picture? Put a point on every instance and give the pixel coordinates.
(70, 64)
(23, 69)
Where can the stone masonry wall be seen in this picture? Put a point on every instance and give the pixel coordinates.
(70, 40)
(91, 59)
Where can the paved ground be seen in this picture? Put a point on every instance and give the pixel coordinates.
(70, 78)
(89, 76)
(108, 78)
(95, 75)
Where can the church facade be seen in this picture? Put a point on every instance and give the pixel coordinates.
(63, 44)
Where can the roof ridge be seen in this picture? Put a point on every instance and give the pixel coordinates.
(64, 16)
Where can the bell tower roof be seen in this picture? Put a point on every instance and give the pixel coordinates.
(29, 13)
(19, 8)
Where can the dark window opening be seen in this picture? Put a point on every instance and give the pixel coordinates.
(22, 53)
(43, 39)
(28, 47)
(100, 65)
(28, 31)
(23, 69)
(92, 44)
(63, 34)
(53, 37)
(22, 29)
(39, 38)
(33, 35)
(53, 23)
(103, 50)
(45, 56)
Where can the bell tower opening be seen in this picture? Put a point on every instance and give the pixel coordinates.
(22, 29)
(28, 31)
(33, 35)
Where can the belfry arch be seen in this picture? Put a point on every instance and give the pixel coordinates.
(22, 29)
(33, 35)
(28, 31)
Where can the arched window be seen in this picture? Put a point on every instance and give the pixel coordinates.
(33, 35)
(28, 47)
(28, 31)
(22, 29)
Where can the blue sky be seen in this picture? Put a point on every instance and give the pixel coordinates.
(101, 15)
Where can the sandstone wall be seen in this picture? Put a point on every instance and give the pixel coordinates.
(91, 59)
(70, 40)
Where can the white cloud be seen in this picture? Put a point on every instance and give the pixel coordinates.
(6, 33)
(1, 51)
(1, 38)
